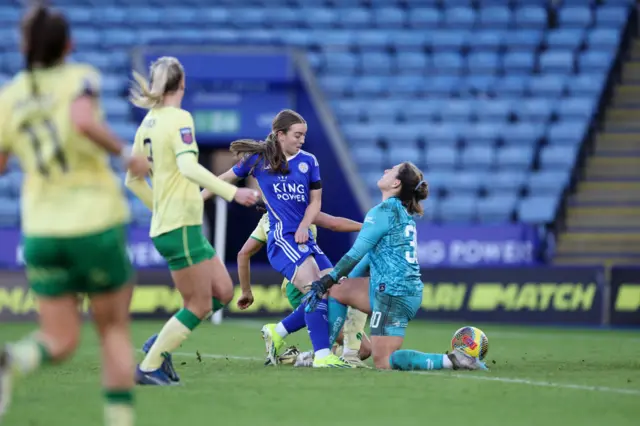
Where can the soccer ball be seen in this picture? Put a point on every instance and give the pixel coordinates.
(472, 341)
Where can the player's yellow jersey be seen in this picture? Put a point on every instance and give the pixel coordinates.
(260, 234)
(165, 134)
(69, 188)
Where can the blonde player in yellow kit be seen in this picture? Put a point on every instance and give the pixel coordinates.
(74, 212)
(356, 347)
(167, 137)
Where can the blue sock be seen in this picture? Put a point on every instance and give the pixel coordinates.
(337, 316)
(318, 325)
(296, 320)
(413, 360)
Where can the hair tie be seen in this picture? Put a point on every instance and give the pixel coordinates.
(418, 185)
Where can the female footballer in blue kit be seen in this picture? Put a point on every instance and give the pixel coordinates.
(292, 189)
(387, 246)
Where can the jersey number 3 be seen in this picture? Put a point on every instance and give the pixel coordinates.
(47, 127)
(410, 233)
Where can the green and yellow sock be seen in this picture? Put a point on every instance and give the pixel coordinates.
(174, 332)
(118, 408)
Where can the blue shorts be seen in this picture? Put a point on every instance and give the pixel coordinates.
(390, 315)
(285, 255)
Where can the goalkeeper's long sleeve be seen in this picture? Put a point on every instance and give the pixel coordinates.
(376, 225)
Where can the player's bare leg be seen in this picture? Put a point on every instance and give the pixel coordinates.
(111, 315)
(194, 285)
(56, 340)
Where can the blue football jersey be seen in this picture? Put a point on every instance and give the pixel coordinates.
(286, 196)
(388, 243)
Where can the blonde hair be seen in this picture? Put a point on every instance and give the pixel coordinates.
(166, 73)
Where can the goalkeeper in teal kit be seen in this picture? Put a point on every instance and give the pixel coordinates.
(387, 248)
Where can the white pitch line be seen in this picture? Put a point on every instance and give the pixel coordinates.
(526, 382)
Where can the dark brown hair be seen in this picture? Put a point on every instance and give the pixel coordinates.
(45, 34)
(270, 149)
(414, 189)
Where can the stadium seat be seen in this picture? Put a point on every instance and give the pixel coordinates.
(496, 208)
(538, 209)
(442, 157)
(558, 157)
(515, 157)
(548, 182)
(457, 208)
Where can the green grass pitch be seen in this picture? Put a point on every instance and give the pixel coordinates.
(539, 376)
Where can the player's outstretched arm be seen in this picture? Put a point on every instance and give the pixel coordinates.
(192, 170)
(337, 224)
(227, 176)
(376, 225)
(250, 247)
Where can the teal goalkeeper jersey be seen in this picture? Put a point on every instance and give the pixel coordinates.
(387, 245)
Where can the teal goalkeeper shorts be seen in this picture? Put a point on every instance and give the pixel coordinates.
(390, 315)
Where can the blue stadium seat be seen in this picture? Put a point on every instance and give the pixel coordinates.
(558, 156)
(476, 85)
(353, 18)
(496, 208)
(504, 181)
(519, 61)
(538, 209)
(491, 40)
(420, 111)
(481, 133)
(548, 85)
(456, 111)
(551, 181)
(457, 208)
(511, 86)
(336, 41)
(495, 17)
(444, 157)
(604, 39)
(438, 180)
(367, 157)
(557, 61)
(444, 134)
(391, 110)
(522, 134)
(575, 16)
(567, 132)
(340, 63)
(460, 17)
(586, 84)
(371, 39)
(9, 16)
(375, 63)
(448, 62)
(531, 17)
(424, 18)
(441, 84)
(449, 40)
(612, 16)
(484, 62)
(407, 62)
(494, 110)
(389, 17)
(320, 18)
(515, 157)
(534, 110)
(576, 108)
(9, 213)
(467, 182)
(565, 38)
(335, 85)
(408, 41)
(477, 157)
(141, 214)
(524, 39)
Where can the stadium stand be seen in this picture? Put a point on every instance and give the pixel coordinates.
(493, 98)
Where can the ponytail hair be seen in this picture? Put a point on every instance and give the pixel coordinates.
(166, 74)
(270, 149)
(45, 37)
(414, 188)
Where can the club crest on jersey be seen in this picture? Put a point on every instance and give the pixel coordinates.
(303, 248)
(303, 167)
(187, 135)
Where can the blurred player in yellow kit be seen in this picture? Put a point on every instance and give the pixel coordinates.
(74, 213)
(167, 137)
(356, 346)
